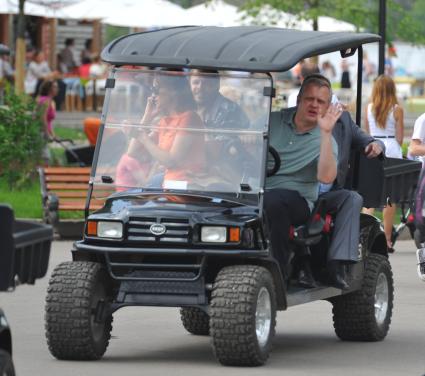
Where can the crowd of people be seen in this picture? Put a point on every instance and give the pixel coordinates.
(71, 75)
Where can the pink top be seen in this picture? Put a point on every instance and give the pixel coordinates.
(125, 172)
(51, 112)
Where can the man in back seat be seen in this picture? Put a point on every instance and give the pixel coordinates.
(308, 153)
(215, 110)
(344, 247)
(219, 113)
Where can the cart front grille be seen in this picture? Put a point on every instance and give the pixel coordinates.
(177, 230)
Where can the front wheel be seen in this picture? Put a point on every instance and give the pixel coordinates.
(74, 330)
(365, 315)
(243, 315)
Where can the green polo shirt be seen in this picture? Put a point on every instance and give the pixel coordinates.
(299, 154)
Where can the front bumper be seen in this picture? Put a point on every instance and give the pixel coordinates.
(81, 246)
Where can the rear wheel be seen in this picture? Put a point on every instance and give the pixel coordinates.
(195, 321)
(6, 364)
(365, 315)
(243, 315)
(75, 293)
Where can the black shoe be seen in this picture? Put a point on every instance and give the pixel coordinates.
(337, 275)
(305, 279)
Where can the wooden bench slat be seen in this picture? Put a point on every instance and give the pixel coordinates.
(79, 200)
(67, 170)
(75, 186)
(71, 194)
(78, 207)
(67, 178)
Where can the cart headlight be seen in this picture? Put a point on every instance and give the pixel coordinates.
(213, 234)
(109, 229)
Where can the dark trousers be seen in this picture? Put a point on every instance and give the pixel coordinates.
(283, 208)
(345, 235)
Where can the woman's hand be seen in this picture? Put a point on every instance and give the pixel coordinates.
(151, 111)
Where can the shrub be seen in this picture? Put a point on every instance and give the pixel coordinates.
(21, 139)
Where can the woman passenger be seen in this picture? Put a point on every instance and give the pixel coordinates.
(180, 151)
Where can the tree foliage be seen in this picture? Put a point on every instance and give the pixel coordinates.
(21, 138)
(404, 18)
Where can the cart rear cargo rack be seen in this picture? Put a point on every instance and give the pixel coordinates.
(391, 179)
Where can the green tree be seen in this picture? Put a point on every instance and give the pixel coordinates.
(21, 139)
(413, 26)
(404, 19)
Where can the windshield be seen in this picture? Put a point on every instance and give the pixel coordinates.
(184, 131)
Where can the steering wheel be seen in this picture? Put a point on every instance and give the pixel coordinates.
(276, 162)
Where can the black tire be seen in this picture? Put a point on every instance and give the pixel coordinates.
(354, 314)
(195, 321)
(6, 364)
(233, 315)
(74, 291)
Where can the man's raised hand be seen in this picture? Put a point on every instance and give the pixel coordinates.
(328, 120)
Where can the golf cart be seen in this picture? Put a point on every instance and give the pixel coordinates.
(197, 238)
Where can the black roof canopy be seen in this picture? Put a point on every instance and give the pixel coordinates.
(245, 48)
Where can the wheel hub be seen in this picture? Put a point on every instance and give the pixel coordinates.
(97, 313)
(263, 316)
(381, 298)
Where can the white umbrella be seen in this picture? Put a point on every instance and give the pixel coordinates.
(214, 13)
(8, 7)
(93, 9)
(49, 9)
(130, 13)
(332, 24)
(148, 13)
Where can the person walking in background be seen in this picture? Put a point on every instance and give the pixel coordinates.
(417, 142)
(369, 69)
(417, 150)
(67, 55)
(328, 70)
(86, 52)
(345, 75)
(308, 68)
(38, 70)
(384, 121)
(48, 91)
(7, 75)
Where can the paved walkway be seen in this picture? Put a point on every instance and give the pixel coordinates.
(152, 341)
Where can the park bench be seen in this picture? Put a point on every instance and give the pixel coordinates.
(64, 189)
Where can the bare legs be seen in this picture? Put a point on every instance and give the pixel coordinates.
(388, 219)
(388, 215)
